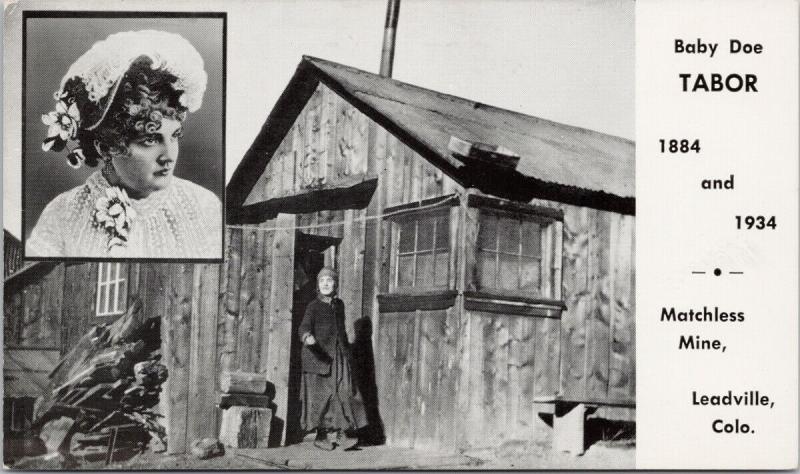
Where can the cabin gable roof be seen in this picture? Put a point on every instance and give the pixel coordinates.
(558, 162)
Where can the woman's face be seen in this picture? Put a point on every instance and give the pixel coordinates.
(151, 160)
(327, 285)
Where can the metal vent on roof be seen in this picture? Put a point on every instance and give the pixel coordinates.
(496, 155)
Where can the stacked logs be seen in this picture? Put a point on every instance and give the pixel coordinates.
(108, 385)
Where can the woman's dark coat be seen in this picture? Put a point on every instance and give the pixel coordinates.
(326, 323)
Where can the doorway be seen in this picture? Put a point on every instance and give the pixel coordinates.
(312, 253)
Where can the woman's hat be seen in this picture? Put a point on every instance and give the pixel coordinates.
(328, 271)
(100, 69)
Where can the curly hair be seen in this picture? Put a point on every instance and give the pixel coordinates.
(145, 97)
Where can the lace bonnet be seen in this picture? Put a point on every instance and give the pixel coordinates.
(106, 62)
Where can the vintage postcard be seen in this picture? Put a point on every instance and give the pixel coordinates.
(400, 234)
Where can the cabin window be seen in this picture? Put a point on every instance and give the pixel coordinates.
(112, 288)
(512, 254)
(421, 251)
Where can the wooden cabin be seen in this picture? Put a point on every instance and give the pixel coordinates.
(479, 294)
(491, 290)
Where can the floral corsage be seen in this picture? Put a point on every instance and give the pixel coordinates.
(114, 213)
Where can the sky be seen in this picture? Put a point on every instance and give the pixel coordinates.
(564, 60)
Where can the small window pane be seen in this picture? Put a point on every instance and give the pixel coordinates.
(102, 305)
(442, 273)
(508, 276)
(487, 234)
(406, 237)
(531, 239)
(443, 232)
(122, 296)
(486, 265)
(508, 235)
(530, 272)
(425, 276)
(425, 234)
(405, 271)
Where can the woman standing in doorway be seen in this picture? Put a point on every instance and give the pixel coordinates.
(331, 404)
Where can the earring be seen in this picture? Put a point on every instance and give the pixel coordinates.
(108, 169)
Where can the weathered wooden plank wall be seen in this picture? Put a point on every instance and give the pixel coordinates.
(326, 147)
(506, 368)
(280, 311)
(175, 339)
(33, 310)
(202, 353)
(416, 380)
(422, 380)
(410, 177)
(622, 340)
(597, 337)
(12, 316)
(80, 283)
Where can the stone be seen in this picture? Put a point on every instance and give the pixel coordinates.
(207, 448)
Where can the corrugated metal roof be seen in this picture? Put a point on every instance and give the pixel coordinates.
(550, 151)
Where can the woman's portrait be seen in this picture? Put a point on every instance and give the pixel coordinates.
(123, 138)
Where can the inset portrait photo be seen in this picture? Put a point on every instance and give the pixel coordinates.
(123, 135)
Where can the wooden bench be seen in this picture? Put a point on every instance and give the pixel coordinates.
(569, 418)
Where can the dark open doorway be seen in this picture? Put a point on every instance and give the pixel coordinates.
(312, 252)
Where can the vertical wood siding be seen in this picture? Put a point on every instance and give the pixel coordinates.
(33, 311)
(326, 146)
(80, 284)
(598, 326)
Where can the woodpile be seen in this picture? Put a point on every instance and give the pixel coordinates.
(247, 412)
(108, 385)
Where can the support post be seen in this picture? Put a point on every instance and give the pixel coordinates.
(569, 427)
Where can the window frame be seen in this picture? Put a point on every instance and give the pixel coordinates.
(438, 207)
(550, 221)
(120, 301)
(519, 255)
(434, 252)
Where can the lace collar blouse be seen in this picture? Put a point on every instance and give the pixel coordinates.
(182, 221)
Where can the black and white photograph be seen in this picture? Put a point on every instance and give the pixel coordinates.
(428, 256)
(123, 136)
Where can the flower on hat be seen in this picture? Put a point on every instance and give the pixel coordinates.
(62, 125)
(115, 214)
